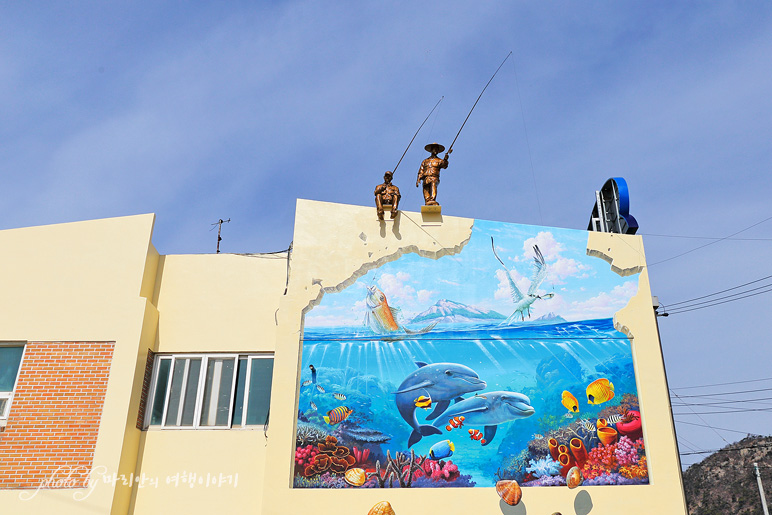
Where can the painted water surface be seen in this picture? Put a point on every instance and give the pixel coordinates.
(500, 362)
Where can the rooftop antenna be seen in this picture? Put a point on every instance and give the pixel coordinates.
(219, 230)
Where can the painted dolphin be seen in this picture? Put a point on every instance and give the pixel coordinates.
(442, 382)
(490, 409)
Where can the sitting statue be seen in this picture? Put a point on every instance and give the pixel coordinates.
(387, 194)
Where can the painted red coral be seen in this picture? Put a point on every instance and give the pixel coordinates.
(441, 470)
(360, 455)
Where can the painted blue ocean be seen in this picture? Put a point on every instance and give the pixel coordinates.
(349, 379)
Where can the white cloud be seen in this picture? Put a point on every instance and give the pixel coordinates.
(605, 304)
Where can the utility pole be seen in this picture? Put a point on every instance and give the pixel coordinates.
(219, 229)
(761, 489)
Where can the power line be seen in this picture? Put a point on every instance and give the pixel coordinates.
(728, 401)
(701, 237)
(725, 449)
(703, 420)
(721, 384)
(726, 412)
(712, 427)
(718, 303)
(710, 243)
(721, 393)
(722, 291)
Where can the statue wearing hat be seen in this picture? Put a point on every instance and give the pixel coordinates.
(430, 172)
(387, 194)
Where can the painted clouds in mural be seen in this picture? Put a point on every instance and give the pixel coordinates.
(499, 362)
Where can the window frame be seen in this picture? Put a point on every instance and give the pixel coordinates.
(205, 357)
(8, 396)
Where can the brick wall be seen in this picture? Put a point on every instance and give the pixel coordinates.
(54, 420)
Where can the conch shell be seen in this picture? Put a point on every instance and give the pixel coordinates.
(382, 508)
(509, 491)
(355, 477)
(574, 477)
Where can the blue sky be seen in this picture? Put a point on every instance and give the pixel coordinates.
(198, 111)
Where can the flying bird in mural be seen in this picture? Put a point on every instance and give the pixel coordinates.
(382, 318)
(523, 302)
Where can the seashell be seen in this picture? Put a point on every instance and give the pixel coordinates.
(355, 477)
(382, 508)
(509, 491)
(574, 477)
(607, 435)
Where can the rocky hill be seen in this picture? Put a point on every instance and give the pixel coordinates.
(450, 312)
(725, 483)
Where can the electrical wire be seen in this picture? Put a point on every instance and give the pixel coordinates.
(718, 292)
(698, 415)
(710, 243)
(722, 384)
(720, 393)
(713, 427)
(719, 303)
(760, 446)
(700, 237)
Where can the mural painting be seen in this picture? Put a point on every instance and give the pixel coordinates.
(499, 362)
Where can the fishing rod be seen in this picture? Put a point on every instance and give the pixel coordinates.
(475, 102)
(416, 133)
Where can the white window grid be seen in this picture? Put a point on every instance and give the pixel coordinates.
(200, 390)
(8, 396)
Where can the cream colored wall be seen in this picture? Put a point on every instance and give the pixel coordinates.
(333, 245)
(82, 281)
(211, 303)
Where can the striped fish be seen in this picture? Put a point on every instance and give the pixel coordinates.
(614, 419)
(306, 382)
(339, 396)
(338, 415)
(319, 387)
(589, 426)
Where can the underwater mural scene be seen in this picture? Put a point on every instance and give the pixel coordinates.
(500, 362)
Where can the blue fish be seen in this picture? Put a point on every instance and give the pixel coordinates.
(440, 450)
(490, 409)
(442, 382)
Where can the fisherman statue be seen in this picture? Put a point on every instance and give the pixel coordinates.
(429, 172)
(387, 195)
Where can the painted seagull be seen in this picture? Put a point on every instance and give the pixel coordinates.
(523, 302)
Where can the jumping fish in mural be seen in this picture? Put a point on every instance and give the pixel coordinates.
(523, 302)
(382, 318)
(490, 409)
(442, 382)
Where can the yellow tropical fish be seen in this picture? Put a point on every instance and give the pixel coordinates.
(570, 402)
(423, 402)
(600, 391)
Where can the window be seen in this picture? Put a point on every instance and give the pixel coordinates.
(210, 391)
(10, 362)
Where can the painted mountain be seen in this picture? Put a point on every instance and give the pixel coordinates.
(449, 312)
